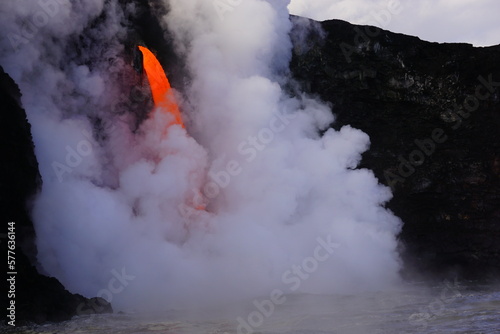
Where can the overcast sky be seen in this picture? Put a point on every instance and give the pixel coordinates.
(472, 21)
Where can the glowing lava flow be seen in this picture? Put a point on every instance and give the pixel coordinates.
(163, 96)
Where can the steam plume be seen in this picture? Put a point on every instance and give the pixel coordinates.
(116, 197)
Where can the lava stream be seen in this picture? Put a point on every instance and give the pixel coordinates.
(163, 96)
(164, 100)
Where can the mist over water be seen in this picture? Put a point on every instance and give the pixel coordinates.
(286, 208)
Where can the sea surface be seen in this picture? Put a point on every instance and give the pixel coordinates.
(446, 307)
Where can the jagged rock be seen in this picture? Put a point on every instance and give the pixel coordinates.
(400, 90)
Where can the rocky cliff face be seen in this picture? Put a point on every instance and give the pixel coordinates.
(38, 298)
(432, 112)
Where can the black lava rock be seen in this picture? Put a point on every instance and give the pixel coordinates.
(432, 112)
(38, 298)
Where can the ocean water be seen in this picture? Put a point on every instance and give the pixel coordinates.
(447, 307)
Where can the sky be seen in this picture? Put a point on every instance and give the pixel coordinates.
(470, 21)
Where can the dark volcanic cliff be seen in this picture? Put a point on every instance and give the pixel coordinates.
(38, 298)
(432, 112)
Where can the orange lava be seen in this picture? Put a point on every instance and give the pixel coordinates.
(163, 96)
(164, 100)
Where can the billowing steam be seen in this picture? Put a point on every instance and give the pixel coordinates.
(285, 207)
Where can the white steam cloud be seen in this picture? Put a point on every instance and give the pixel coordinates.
(115, 216)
